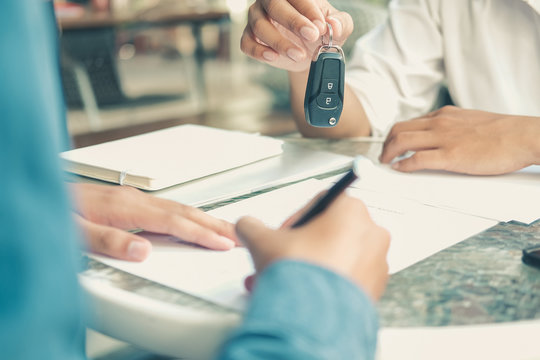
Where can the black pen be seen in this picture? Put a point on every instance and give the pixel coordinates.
(330, 195)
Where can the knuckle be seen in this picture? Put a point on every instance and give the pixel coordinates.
(257, 26)
(123, 193)
(295, 23)
(106, 240)
(448, 108)
(244, 42)
(400, 138)
(191, 212)
(256, 51)
(271, 6)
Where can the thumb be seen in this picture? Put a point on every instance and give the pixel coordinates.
(261, 241)
(342, 25)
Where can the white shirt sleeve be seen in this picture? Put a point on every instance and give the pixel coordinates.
(397, 69)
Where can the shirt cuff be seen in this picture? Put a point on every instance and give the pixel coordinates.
(314, 311)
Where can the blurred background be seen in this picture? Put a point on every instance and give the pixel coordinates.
(133, 66)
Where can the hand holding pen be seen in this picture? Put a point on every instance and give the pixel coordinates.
(335, 232)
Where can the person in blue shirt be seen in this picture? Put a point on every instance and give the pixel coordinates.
(315, 285)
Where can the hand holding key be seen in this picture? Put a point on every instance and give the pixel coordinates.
(286, 34)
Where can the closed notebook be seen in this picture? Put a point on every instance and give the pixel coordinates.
(169, 157)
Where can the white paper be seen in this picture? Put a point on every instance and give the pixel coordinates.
(514, 340)
(504, 198)
(417, 232)
(213, 275)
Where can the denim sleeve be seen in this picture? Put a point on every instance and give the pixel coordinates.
(40, 304)
(302, 311)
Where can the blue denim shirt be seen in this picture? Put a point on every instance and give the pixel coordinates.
(302, 311)
(298, 311)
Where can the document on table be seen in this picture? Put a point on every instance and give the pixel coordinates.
(514, 340)
(417, 231)
(514, 196)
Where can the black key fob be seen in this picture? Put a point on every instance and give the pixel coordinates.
(323, 102)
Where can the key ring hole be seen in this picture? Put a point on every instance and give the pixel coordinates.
(330, 36)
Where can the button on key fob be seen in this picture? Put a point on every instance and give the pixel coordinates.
(323, 102)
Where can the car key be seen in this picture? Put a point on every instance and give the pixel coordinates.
(323, 102)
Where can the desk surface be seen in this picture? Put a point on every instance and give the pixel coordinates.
(480, 280)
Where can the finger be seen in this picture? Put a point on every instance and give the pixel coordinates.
(269, 34)
(445, 110)
(255, 49)
(407, 141)
(302, 17)
(135, 209)
(194, 233)
(249, 282)
(417, 124)
(261, 241)
(219, 226)
(427, 159)
(114, 242)
(128, 208)
(173, 222)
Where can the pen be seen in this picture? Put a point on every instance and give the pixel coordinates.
(330, 195)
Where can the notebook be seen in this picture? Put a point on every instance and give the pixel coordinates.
(169, 157)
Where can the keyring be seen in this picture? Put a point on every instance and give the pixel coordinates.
(330, 36)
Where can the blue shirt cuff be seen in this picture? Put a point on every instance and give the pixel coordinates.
(300, 310)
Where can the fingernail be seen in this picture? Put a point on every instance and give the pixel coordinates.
(138, 250)
(269, 55)
(320, 25)
(309, 33)
(295, 54)
(396, 165)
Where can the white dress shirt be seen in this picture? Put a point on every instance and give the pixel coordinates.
(486, 51)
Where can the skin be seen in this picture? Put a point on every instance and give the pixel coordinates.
(286, 34)
(343, 239)
(104, 213)
(465, 141)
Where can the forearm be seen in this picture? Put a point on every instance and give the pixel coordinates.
(534, 139)
(353, 121)
(302, 311)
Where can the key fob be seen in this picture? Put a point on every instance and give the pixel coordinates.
(323, 102)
